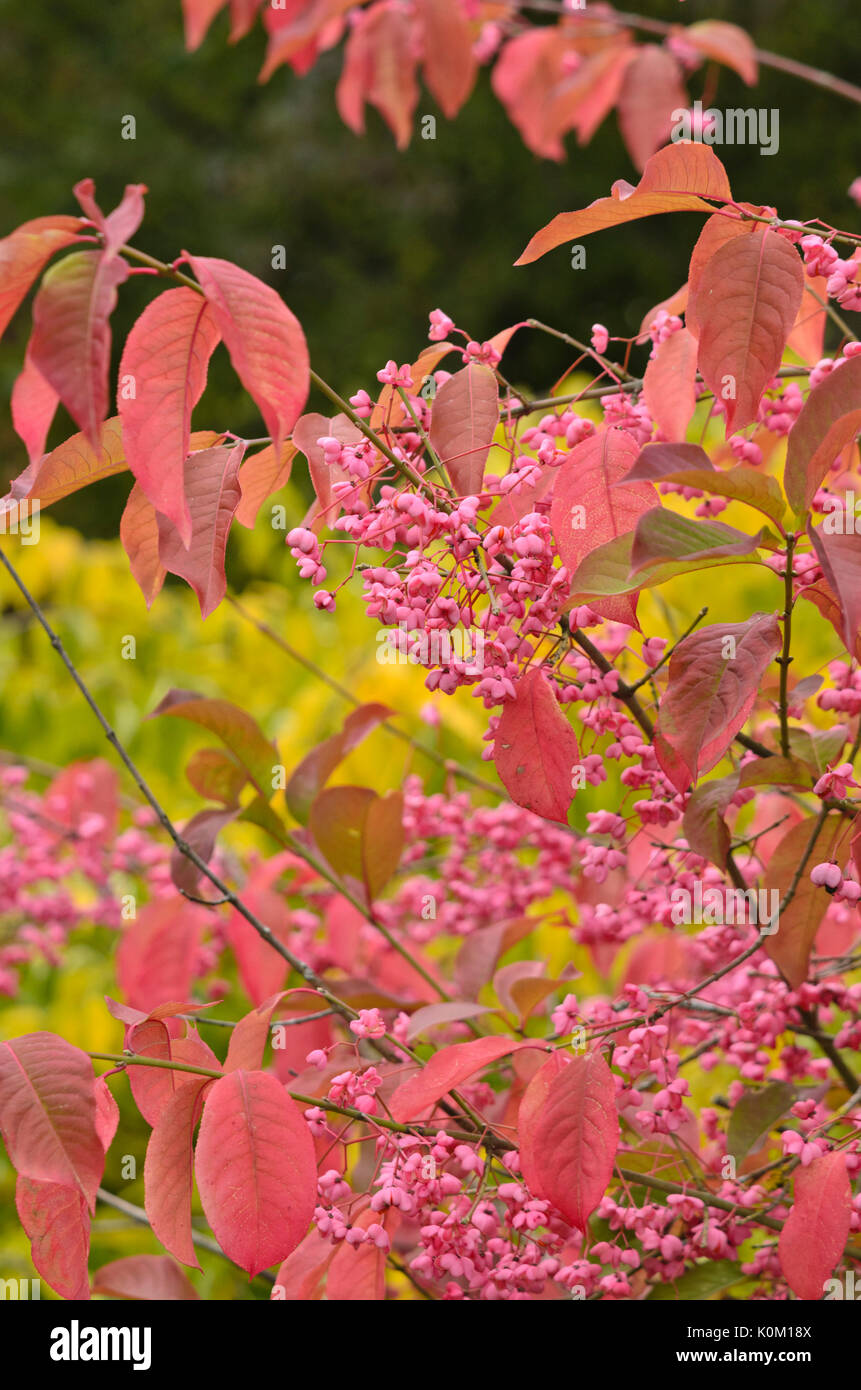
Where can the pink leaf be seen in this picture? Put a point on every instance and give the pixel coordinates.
(265, 340)
(34, 404)
(48, 1113)
(669, 386)
(57, 1224)
(714, 678)
(727, 44)
(256, 1169)
(308, 429)
(157, 954)
(148, 1278)
(532, 1103)
(572, 1137)
(154, 1087)
(450, 66)
(380, 67)
(139, 538)
(162, 377)
(589, 508)
(464, 416)
(212, 493)
(830, 419)
(107, 1113)
(817, 1228)
(357, 1273)
(249, 1038)
(121, 224)
(746, 302)
(300, 1278)
(71, 342)
(652, 89)
(261, 475)
(446, 1070)
(536, 748)
(200, 833)
(168, 1170)
(25, 251)
(840, 558)
(432, 1015)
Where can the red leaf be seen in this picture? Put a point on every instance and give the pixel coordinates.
(652, 90)
(358, 1273)
(464, 416)
(669, 385)
(211, 482)
(265, 340)
(830, 420)
(34, 404)
(71, 342)
(157, 955)
(790, 946)
(727, 44)
(249, 1038)
(716, 232)
(445, 1071)
(572, 1137)
(588, 508)
(256, 1169)
(168, 1170)
(676, 179)
(450, 66)
(201, 833)
(48, 1113)
(477, 957)
(139, 539)
(261, 475)
(746, 302)
(536, 748)
(107, 1113)
(261, 970)
(57, 1224)
(709, 696)
(316, 767)
(817, 1228)
(25, 251)
(840, 558)
(198, 15)
(380, 68)
(148, 1278)
(164, 364)
(433, 1015)
(531, 1105)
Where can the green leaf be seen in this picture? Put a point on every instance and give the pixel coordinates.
(700, 1283)
(607, 570)
(662, 536)
(705, 829)
(755, 1114)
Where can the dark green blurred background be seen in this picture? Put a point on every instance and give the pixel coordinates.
(375, 238)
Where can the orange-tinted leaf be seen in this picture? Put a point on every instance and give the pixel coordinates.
(669, 385)
(25, 251)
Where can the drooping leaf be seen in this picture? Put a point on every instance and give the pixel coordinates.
(705, 829)
(116, 227)
(478, 956)
(691, 466)
(714, 676)
(200, 834)
(450, 66)
(236, 729)
(727, 44)
(145, 1278)
(261, 475)
(790, 946)
(153, 1088)
(139, 538)
(168, 1170)
(464, 417)
(216, 775)
(669, 385)
(702, 1282)
(380, 68)
(840, 558)
(662, 536)
(535, 749)
(676, 179)
(23, 254)
(74, 464)
(34, 404)
(48, 1113)
(358, 1273)
(652, 89)
(829, 420)
(746, 302)
(211, 486)
(249, 1038)
(71, 342)
(265, 340)
(447, 1069)
(156, 956)
(256, 1169)
(433, 1015)
(755, 1114)
(815, 1232)
(308, 429)
(590, 507)
(316, 767)
(197, 17)
(300, 1278)
(162, 377)
(57, 1223)
(573, 1137)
